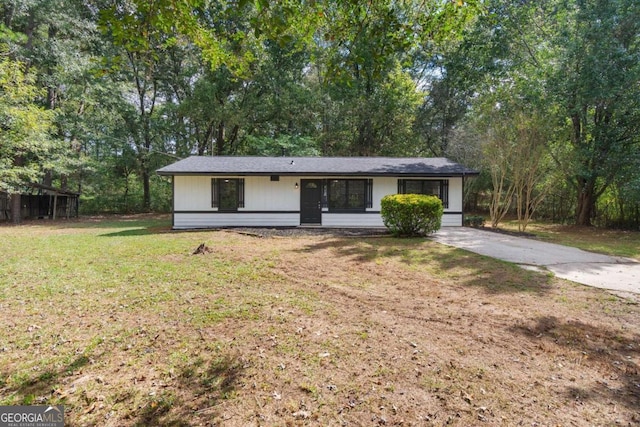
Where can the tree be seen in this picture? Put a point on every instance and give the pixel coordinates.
(151, 38)
(370, 50)
(142, 33)
(444, 106)
(164, 79)
(499, 149)
(596, 82)
(581, 59)
(27, 148)
(59, 43)
(515, 136)
(530, 163)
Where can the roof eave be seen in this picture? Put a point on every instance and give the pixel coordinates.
(412, 174)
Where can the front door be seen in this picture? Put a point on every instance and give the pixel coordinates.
(310, 201)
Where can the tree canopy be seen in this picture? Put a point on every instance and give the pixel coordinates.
(97, 94)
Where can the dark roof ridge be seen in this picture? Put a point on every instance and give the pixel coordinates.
(316, 165)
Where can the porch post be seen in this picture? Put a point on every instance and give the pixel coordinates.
(55, 205)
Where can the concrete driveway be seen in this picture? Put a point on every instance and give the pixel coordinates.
(588, 268)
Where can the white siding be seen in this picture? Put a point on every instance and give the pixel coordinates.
(375, 220)
(455, 196)
(351, 220)
(264, 198)
(215, 220)
(262, 194)
(452, 220)
(192, 193)
(383, 186)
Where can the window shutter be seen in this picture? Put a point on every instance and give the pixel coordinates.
(369, 193)
(214, 193)
(241, 193)
(401, 186)
(444, 192)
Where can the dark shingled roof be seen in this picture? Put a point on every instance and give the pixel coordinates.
(350, 166)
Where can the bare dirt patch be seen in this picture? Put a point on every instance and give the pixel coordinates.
(310, 328)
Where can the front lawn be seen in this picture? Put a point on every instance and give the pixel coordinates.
(115, 319)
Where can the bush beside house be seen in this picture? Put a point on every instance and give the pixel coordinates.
(411, 214)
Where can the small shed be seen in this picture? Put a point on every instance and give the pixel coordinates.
(42, 201)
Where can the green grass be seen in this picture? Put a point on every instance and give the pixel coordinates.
(609, 242)
(55, 277)
(116, 319)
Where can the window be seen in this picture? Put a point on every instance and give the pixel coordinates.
(432, 187)
(349, 195)
(227, 194)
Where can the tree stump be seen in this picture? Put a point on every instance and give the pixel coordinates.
(202, 250)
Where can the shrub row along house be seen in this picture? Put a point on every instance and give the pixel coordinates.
(210, 192)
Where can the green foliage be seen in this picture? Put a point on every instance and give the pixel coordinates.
(411, 214)
(284, 145)
(127, 87)
(120, 194)
(371, 52)
(474, 221)
(26, 143)
(592, 78)
(569, 66)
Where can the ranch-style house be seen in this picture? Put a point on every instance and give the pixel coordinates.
(212, 192)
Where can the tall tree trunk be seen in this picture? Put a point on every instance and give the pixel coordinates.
(220, 139)
(16, 208)
(146, 192)
(15, 198)
(586, 203)
(365, 139)
(47, 179)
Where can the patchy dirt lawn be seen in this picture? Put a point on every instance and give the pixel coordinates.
(125, 327)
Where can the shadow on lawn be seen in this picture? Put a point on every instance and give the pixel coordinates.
(142, 231)
(40, 389)
(459, 266)
(138, 228)
(100, 221)
(612, 352)
(191, 398)
(200, 387)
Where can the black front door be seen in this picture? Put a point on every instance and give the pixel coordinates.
(310, 201)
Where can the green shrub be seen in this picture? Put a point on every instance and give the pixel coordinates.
(474, 221)
(411, 214)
